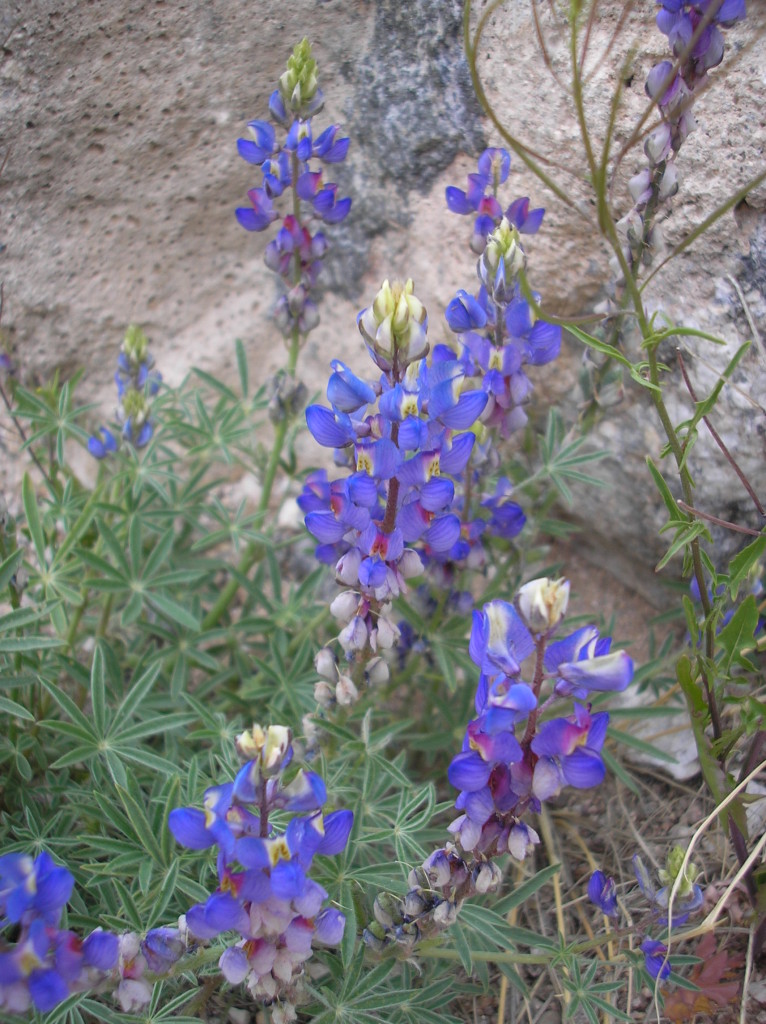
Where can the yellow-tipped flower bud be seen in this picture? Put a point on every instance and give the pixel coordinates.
(394, 326)
(299, 85)
(136, 345)
(672, 870)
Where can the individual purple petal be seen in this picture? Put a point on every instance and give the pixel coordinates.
(437, 493)
(101, 950)
(469, 407)
(454, 459)
(346, 391)
(457, 201)
(189, 828)
(325, 527)
(224, 913)
(464, 313)
(603, 892)
(327, 429)
(329, 926)
(583, 769)
(337, 827)
(543, 343)
(495, 161)
(469, 771)
(233, 965)
(655, 958)
(442, 533)
(47, 990)
(287, 879)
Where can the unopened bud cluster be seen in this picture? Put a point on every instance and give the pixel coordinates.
(437, 891)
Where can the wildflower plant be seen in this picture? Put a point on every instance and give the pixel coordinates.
(441, 737)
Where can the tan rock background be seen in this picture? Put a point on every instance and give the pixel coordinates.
(118, 128)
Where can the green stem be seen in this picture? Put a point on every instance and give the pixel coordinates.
(254, 550)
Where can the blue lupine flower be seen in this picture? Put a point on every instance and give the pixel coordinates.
(137, 383)
(296, 253)
(497, 330)
(502, 774)
(688, 898)
(265, 893)
(603, 892)
(100, 447)
(44, 965)
(404, 457)
(655, 958)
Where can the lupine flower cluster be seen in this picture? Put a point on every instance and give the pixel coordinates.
(514, 756)
(137, 383)
(296, 252)
(694, 33)
(498, 331)
(265, 894)
(42, 964)
(688, 898)
(404, 437)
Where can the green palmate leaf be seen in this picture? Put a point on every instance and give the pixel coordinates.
(638, 744)
(738, 634)
(15, 645)
(29, 499)
(131, 701)
(239, 349)
(527, 889)
(492, 926)
(8, 568)
(348, 944)
(174, 611)
(10, 707)
(98, 689)
(616, 768)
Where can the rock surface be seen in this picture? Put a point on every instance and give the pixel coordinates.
(118, 124)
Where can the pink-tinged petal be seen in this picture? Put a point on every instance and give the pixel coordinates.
(557, 737)
(469, 772)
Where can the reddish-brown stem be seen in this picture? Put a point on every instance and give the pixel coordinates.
(719, 441)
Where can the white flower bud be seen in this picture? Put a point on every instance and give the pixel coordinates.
(543, 603)
(345, 691)
(325, 664)
(344, 606)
